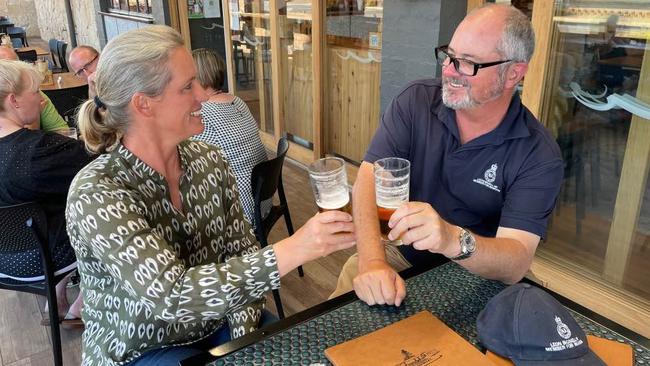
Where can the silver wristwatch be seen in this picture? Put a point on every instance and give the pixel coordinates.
(467, 245)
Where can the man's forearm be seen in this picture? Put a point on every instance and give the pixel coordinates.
(366, 221)
(503, 259)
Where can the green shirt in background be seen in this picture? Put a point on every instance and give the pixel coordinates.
(51, 120)
(153, 276)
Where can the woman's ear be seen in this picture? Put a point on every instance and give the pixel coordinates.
(11, 99)
(141, 104)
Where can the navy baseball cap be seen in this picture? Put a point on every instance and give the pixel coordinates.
(530, 327)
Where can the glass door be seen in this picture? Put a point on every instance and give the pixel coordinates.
(297, 76)
(250, 39)
(353, 82)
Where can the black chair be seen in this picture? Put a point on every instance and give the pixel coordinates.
(54, 54)
(61, 48)
(28, 56)
(66, 101)
(25, 228)
(266, 179)
(19, 33)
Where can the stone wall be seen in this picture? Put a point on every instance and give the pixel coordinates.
(47, 19)
(52, 20)
(23, 14)
(85, 22)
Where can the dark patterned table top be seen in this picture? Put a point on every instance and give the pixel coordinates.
(449, 292)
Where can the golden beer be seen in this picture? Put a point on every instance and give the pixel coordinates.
(384, 216)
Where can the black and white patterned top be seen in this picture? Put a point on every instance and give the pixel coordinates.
(232, 127)
(153, 276)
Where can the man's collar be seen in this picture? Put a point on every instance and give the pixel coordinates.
(509, 128)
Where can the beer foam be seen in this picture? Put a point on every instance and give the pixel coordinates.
(334, 202)
(391, 202)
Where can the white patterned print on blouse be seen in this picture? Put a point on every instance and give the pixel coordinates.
(153, 276)
(231, 126)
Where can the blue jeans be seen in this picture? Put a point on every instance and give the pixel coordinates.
(171, 356)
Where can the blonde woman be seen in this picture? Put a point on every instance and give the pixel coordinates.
(166, 256)
(36, 166)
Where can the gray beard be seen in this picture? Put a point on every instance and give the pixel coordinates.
(467, 101)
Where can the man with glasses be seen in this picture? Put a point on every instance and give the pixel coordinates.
(83, 63)
(485, 173)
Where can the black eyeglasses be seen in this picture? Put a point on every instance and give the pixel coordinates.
(85, 67)
(464, 67)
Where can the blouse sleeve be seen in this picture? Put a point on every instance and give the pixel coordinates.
(244, 319)
(107, 222)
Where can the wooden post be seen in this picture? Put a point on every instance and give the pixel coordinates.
(276, 79)
(228, 45)
(319, 84)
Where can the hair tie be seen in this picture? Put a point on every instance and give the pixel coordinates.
(99, 103)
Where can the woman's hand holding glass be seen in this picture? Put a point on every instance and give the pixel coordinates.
(322, 235)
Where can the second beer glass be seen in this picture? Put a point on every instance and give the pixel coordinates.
(330, 184)
(392, 177)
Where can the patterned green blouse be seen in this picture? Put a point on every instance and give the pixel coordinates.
(152, 276)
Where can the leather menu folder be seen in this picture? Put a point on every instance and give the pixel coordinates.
(419, 340)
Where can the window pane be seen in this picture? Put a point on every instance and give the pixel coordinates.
(251, 51)
(601, 226)
(296, 68)
(353, 52)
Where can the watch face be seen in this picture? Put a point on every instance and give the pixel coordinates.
(468, 242)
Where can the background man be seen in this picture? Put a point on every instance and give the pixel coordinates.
(50, 119)
(484, 172)
(83, 63)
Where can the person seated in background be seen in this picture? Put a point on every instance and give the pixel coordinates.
(49, 119)
(230, 125)
(83, 63)
(36, 166)
(156, 221)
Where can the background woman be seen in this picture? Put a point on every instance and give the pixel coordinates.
(230, 125)
(36, 166)
(166, 256)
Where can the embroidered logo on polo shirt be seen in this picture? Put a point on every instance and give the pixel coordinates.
(489, 177)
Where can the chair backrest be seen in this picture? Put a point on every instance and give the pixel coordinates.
(16, 30)
(62, 47)
(24, 227)
(267, 175)
(66, 101)
(29, 56)
(54, 52)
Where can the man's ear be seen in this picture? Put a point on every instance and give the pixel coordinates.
(141, 104)
(515, 74)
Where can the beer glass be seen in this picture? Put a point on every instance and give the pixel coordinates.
(391, 190)
(329, 182)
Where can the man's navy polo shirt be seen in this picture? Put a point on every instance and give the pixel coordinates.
(508, 177)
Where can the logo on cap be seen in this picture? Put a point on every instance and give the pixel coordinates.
(562, 329)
